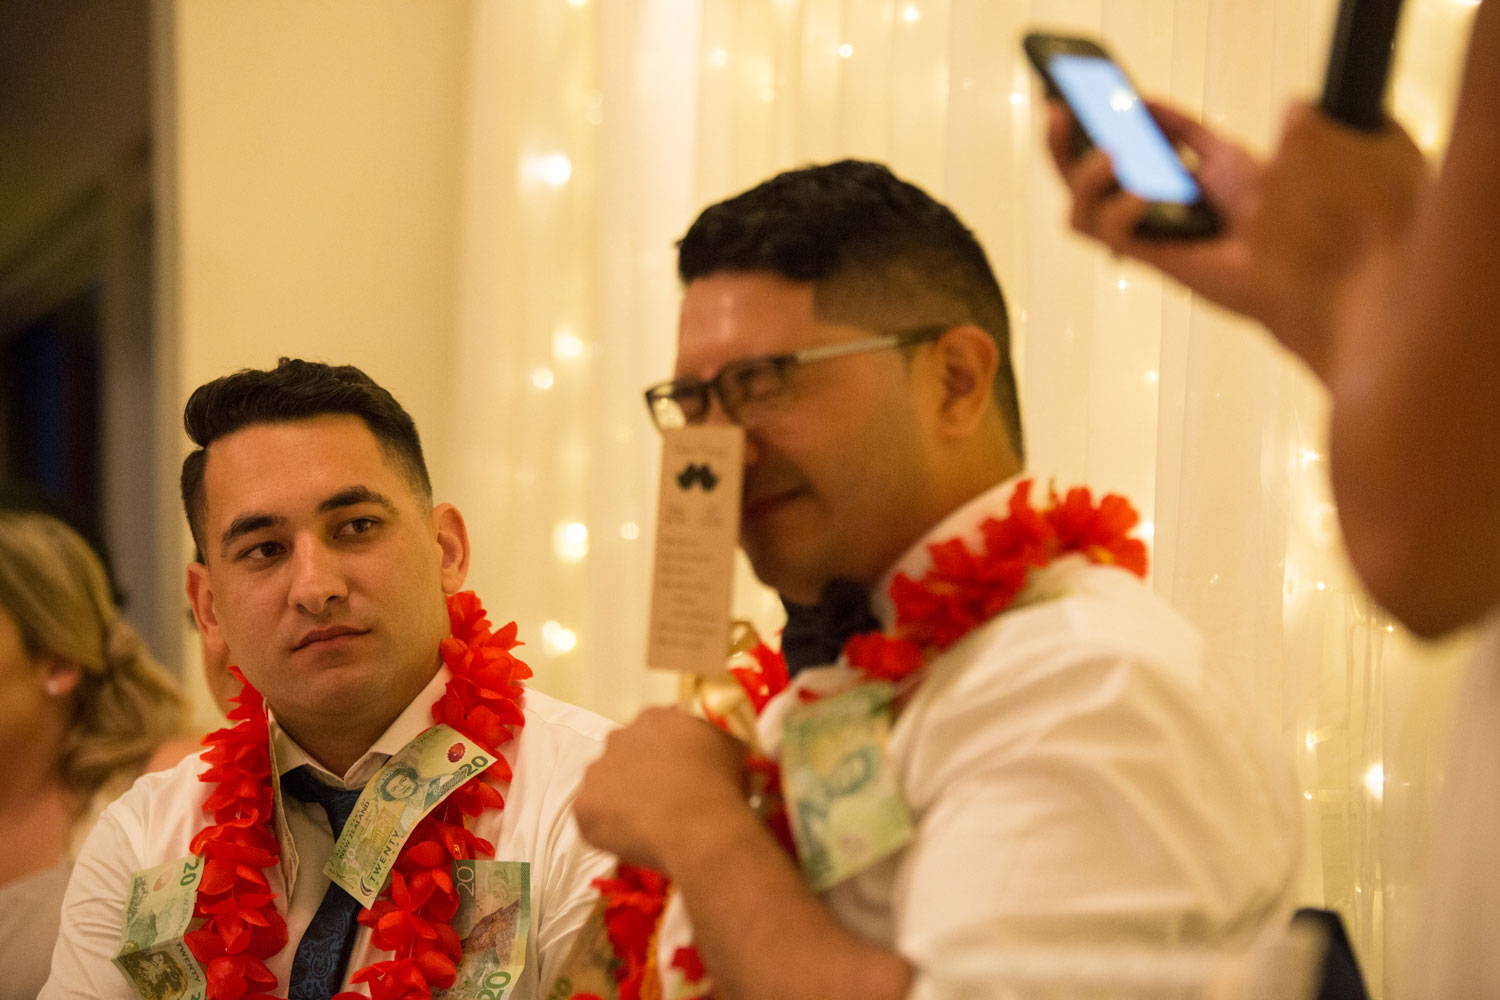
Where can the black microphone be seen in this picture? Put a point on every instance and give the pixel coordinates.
(1360, 61)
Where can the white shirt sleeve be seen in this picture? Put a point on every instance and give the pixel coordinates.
(569, 893)
(572, 738)
(1101, 802)
(93, 912)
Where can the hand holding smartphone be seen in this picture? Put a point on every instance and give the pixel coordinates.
(1114, 119)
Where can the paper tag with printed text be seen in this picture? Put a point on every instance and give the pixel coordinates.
(697, 530)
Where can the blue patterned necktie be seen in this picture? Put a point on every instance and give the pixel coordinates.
(318, 968)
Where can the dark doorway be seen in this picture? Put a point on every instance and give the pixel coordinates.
(49, 404)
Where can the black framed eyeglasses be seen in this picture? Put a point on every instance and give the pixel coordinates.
(751, 389)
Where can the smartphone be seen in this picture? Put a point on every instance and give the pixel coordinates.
(1113, 118)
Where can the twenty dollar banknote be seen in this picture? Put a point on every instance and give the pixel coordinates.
(409, 786)
(158, 910)
(844, 804)
(591, 963)
(493, 919)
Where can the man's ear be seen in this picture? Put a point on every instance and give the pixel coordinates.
(966, 358)
(200, 596)
(453, 542)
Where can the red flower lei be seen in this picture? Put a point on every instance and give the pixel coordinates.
(962, 590)
(242, 927)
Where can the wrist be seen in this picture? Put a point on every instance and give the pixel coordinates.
(709, 840)
(1303, 324)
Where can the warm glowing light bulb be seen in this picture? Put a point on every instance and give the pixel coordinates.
(553, 169)
(1375, 780)
(630, 531)
(1017, 99)
(557, 640)
(570, 541)
(911, 13)
(846, 50)
(542, 378)
(566, 344)
(718, 57)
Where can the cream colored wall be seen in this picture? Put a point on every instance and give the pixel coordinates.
(315, 154)
(318, 152)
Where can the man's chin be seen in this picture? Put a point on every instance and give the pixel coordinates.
(792, 579)
(327, 682)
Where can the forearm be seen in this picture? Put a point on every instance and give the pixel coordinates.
(761, 932)
(1416, 427)
(1415, 461)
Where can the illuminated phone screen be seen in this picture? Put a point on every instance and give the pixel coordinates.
(1117, 122)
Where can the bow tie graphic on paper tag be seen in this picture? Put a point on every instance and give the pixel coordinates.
(702, 474)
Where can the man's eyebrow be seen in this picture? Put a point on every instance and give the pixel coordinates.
(244, 525)
(349, 496)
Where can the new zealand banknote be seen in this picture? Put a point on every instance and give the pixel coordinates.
(158, 910)
(409, 786)
(844, 803)
(493, 919)
(591, 963)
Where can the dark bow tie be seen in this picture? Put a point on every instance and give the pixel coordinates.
(815, 633)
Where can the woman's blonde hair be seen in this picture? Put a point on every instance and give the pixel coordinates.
(125, 704)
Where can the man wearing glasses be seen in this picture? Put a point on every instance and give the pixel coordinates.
(1072, 775)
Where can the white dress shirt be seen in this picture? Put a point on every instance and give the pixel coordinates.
(156, 819)
(1074, 778)
(1455, 954)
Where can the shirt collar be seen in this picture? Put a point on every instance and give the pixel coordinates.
(415, 719)
(963, 523)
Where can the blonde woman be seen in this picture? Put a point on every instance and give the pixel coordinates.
(84, 710)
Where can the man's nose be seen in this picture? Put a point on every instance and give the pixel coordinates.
(717, 416)
(316, 577)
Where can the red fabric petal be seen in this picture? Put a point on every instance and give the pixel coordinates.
(689, 962)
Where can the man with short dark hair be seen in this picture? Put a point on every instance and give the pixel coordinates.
(335, 580)
(1073, 776)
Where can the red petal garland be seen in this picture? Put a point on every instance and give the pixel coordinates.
(962, 589)
(959, 592)
(633, 904)
(242, 927)
(766, 679)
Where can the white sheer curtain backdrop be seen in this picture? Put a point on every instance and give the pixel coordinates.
(597, 129)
